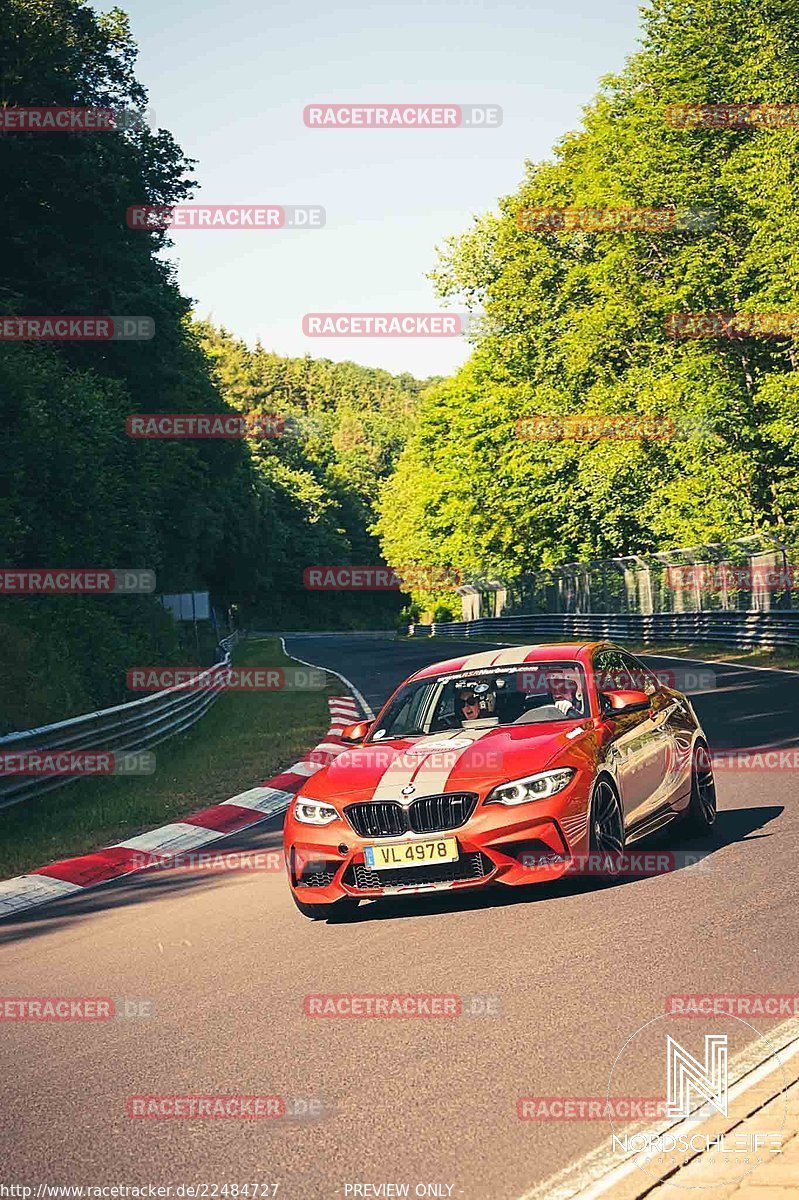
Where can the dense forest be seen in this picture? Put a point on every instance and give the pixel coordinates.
(241, 518)
(442, 475)
(576, 321)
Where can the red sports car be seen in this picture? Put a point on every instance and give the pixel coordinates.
(509, 766)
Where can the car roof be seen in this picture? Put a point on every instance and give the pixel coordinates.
(509, 656)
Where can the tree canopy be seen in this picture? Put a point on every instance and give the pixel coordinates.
(574, 321)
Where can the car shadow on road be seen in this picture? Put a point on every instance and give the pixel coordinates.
(733, 825)
(691, 854)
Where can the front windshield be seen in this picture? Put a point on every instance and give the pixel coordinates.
(527, 694)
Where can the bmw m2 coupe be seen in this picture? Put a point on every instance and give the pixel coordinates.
(504, 767)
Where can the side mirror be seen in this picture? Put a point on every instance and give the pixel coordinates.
(355, 733)
(624, 701)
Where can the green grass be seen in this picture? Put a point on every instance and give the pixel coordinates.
(244, 738)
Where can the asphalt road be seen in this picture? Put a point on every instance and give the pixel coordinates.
(226, 961)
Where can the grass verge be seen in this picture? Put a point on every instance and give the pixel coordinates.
(244, 738)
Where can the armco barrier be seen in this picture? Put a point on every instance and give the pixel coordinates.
(742, 630)
(138, 725)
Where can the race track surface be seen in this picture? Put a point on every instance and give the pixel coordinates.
(572, 970)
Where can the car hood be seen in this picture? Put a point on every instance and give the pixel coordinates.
(457, 760)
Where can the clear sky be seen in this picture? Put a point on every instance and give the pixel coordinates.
(230, 81)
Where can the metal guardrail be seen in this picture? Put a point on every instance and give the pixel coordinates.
(773, 630)
(127, 728)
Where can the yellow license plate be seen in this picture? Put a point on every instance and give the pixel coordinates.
(410, 854)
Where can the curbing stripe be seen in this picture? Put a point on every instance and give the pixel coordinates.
(177, 836)
(27, 890)
(289, 781)
(228, 818)
(261, 799)
(305, 767)
(259, 803)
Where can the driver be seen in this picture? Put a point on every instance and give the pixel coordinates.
(566, 694)
(472, 706)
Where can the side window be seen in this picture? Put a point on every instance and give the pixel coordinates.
(601, 669)
(643, 679)
(611, 672)
(415, 711)
(444, 717)
(408, 713)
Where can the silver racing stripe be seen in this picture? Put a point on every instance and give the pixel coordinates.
(513, 654)
(428, 765)
(510, 656)
(485, 658)
(435, 770)
(401, 771)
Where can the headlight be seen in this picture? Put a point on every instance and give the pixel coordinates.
(533, 787)
(313, 812)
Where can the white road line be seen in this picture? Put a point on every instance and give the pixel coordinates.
(361, 700)
(593, 1176)
(720, 662)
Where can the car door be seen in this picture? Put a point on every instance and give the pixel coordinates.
(668, 717)
(637, 749)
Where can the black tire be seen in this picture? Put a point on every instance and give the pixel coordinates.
(700, 815)
(338, 910)
(606, 828)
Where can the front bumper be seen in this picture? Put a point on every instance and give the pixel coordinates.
(533, 843)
